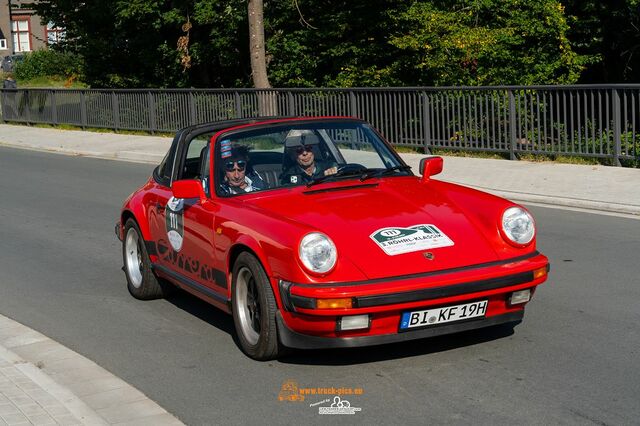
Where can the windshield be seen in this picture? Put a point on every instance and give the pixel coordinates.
(301, 154)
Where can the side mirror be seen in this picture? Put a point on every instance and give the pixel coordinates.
(430, 166)
(188, 188)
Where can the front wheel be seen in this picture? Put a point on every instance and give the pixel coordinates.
(254, 309)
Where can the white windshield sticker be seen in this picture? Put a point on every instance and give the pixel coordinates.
(406, 240)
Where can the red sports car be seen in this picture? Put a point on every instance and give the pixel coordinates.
(313, 233)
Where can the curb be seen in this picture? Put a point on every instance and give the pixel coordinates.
(66, 379)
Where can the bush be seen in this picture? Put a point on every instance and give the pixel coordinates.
(49, 63)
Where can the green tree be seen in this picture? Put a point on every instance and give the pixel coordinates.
(134, 43)
(335, 43)
(485, 42)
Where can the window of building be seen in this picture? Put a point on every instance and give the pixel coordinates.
(3, 44)
(21, 35)
(54, 34)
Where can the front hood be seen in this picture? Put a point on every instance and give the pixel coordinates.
(389, 228)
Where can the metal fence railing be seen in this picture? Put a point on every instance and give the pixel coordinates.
(581, 120)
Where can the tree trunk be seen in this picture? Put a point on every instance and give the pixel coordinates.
(256, 45)
(267, 102)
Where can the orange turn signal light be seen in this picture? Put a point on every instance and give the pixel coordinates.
(334, 303)
(539, 273)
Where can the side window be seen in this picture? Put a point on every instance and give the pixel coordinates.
(195, 154)
(162, 173)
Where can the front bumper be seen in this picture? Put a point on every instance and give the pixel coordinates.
(292, 339)
(303, 324)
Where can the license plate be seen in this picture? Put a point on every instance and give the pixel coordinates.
(443, 315)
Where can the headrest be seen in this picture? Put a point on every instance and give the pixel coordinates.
(297, 138)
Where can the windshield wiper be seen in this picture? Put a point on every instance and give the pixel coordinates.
(383, 172)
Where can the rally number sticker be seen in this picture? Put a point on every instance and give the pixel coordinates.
(174, 222)
(413, 238)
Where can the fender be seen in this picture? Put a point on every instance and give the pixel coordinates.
(135, 206)
(253, 245)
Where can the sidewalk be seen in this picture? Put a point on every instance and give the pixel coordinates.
(601, 188)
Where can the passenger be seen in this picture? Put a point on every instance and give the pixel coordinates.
(306, 168)
(236, 179)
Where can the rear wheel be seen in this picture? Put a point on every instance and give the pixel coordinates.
(254, 309)
(141, 281)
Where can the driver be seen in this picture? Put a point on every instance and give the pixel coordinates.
(237, 179)
(306, 168)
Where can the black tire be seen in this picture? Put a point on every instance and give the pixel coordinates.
(141, 281)
(254, 309)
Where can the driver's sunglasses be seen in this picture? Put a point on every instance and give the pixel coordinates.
(229, 166)
(302, 149)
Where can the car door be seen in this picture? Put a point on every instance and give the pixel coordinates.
(187, 246)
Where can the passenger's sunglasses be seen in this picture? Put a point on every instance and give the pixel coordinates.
(229, 166)
(302, 149)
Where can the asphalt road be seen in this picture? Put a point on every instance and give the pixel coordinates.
(574, 360)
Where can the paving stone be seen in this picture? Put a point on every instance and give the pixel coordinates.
(44, 351)
(48, 401)
(32, 409)
(89, 387)
(130, 412)
(15, 419)
(20, 380)
(10, 371)
(37, 393)
(69, 363)
(157, 420)
(8, 409)
(67, 421)
(41, 420)
(58, 411)
(20, 400)
(80, 375)
(11, 391)
(113, 397)
(23, 339)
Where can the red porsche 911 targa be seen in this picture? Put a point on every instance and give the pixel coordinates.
(313, 233)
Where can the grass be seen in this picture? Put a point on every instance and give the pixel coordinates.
(564, 159)
(52, 82)
(55, 82)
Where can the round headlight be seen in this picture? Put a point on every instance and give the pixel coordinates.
(518, 225)
(318, 253)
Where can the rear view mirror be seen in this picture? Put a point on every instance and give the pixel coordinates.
(430, 166)
(188, 188)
